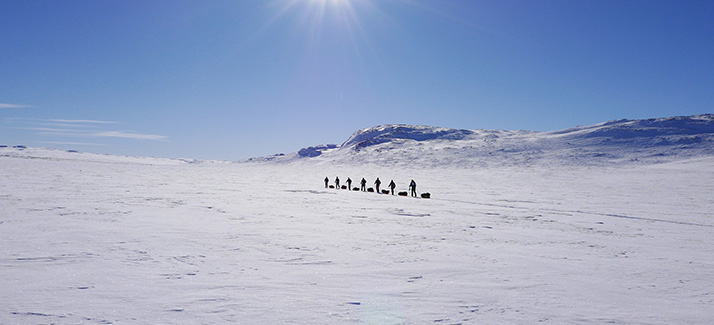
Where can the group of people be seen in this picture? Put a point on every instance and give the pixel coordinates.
(377, 183)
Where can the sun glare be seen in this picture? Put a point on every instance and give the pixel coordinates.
(316, 9)
(339, 7)
(316, 15)
(326, 24)
(337, 2)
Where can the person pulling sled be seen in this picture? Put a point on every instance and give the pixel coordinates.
(412, 187)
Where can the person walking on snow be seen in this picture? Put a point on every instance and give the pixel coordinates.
(337, 183)
(377, 183)
(412, 186)
(363, 184)
(327, 181)
(392, 186)
(349, 184)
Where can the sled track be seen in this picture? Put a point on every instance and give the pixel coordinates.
(584, 212)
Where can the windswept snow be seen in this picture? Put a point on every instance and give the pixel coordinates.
(97, 239)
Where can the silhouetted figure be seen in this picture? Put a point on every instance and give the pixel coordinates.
(349, 183)
(412, 187)
(377, 183)
(363, 184)
(391, 186)
(337, 183)
(327, 181)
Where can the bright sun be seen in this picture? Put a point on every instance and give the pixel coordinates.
(316, 11)
(336, 4)
(329, 1)
(317, 16)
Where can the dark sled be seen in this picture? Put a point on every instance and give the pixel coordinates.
(355, 188)
(426, 195)
(403, 194)
(332, 186)
(344, 187)
(385, 191)
(371, 190)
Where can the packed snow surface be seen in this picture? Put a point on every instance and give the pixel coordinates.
(97, 239)
(113, 240)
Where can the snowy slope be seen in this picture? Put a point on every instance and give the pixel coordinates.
(19, 151)
(623, 141)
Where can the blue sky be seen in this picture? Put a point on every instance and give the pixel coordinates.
(239, 79)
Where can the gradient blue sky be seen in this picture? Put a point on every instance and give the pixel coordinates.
(238, 79)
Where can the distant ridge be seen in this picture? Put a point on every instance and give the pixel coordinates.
(615, 142)
(646, 141)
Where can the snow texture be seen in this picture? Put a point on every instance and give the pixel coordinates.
(99, 239)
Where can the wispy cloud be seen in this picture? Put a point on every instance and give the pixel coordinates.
(80, 121)
(43, 121)
(6, 105)
(73, 143)
(118, 134)
(77, 128)
(48, 129)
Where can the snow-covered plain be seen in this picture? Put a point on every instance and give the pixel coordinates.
(97, 239)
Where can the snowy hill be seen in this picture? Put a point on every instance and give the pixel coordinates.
(621, 141)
